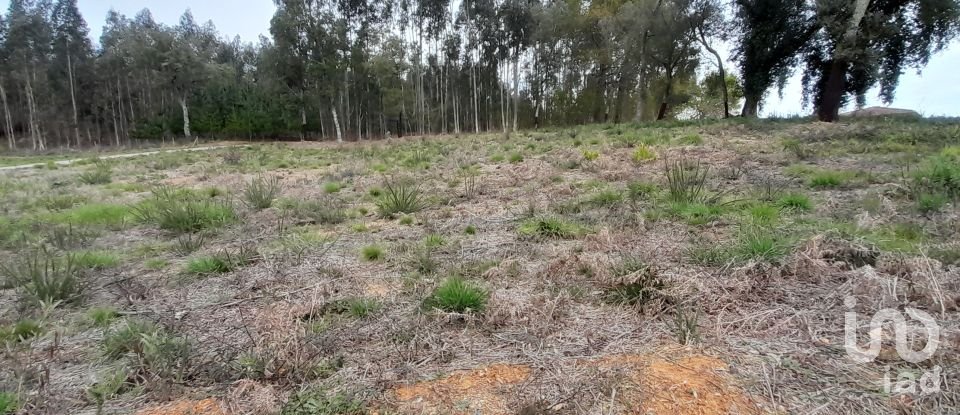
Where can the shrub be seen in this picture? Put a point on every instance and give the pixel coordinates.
(549, 227)
(20, 331)
(155, 351)
(99, 175)
(643, 154)
(687, 181)
(826, 179)
(796, 202)
(457, 295)
(332, 187)
(642, 283)
(126, 338)
(102, 316)
(318, 401)
(930, 202)
(261, 192)
(95, 260)
(67, 237)
(9, 403)
(516, 158)
(939, 174)
(400, 197)
(372, 253)
(183, 212)
(45, 278)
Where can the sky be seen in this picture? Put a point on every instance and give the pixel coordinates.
(934, 92)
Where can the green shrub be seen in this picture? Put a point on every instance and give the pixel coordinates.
(372, 253)
(9, 403)
(332, 187)
(102, 316)
(318, 401)
(827, 179)
(400, 197)
(457, 295)
(126, 338)
(44, 277)
(183, 212)
(549, 227)
(643, 154)
(795, 202)
(154, 350)
(21, 330)
(939, 174)
(686, 181)
(95, 259)
(931, 202)
(99, 175)
(516, 158)
(261, 192)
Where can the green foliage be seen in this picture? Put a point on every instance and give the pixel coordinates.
(764, 214)
(222, 262)
(103, 214)
(939, 174)
(763, 244)
(318, 401)
(20, 331)
(9, 403)
(99, 175)
(406, 220)
(262, 191)
(928, 203)
(827, 179)
(95, 260)
(332, 187)
(188, 243)
(549, 228)
(153, 350)
(710, 255)
(401, 196)
(643, 154)
(692, 139)
(183, 212)
(641, 283)
(102, 316)
(686, 181)
(456, 295)
(686, 325)
(516, 158)
(372, 253)
(362, 307)
(796, 202)
(323, 211)
(111, 384)
(470, 230)
(44, 278)
(590, 155)
(434, 240)
(605, 198)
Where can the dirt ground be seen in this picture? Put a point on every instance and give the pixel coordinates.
(708, 324)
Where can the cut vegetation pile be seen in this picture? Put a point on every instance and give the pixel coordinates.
(687, 268)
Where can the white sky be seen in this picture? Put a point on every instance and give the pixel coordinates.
(934, 92)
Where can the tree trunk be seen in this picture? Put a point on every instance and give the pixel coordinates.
(186, 117)
(832, 92)
(73, 99)
(516, 90)
(476, 103)
(336, 123)
(8, 126)
(723, 75)
(662, 113)
(751, 105)
(641, 93)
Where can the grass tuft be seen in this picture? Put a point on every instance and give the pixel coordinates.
(401, 196)
(457, 296)
(182, 211)
(372, 253)
(262, 191)
(549, 228)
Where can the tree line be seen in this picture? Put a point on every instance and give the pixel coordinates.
(355, 69)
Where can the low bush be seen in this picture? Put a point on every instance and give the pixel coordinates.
(183, 211)
(458, 296)
(44, 278)
(261, 192)
(401, 196)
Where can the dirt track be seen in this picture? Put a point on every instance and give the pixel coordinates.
(116, 156)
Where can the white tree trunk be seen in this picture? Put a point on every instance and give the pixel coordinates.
(336, 124)
(186, 117)
(73, 100)
(11, 139)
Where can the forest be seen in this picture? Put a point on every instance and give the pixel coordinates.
(358, 69)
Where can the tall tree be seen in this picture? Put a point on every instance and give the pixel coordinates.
(71, 56)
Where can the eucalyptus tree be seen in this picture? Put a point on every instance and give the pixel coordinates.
(72, 53)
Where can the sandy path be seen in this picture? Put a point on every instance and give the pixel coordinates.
(118, 156)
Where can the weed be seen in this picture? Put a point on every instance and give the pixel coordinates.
(764, 214)
(261, 192)
(606, 198)
(643, 284)
(710, 255)
(400, 196)
(590, 155)
(516, 158)
(325, 211)
(685, 325)
(332, 187)
(126, 338)
(67, 237)
(61, 202)
(372, 253)
(20, 331)
(9, 403)
(188, 243)
(692, 139)
(457, 295)
(796, 202)
(434, 240)
(183, 212)
(99, 175)
(102, 316)
(643, 154)
(318, 401)
(641, 191)
(111, 384)
(208, 265)
(375, 191)
(826, 180)
(762, 244)
(45, 278)
(406, 220)
(687, 181)
(470, 230)
(799, 149)
(695, 213)
(549, 227)
(928, 203)
(362, 307)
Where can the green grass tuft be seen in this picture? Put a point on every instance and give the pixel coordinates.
(550, 228)
(183, 212)
(372, 253)
(457, 296)
(796, 202)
